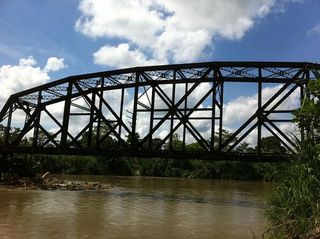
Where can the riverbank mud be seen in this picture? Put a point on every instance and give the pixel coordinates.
(48, 182)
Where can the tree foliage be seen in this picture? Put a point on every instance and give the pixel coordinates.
(295, 207)
(21, 164)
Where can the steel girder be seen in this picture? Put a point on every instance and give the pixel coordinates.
(160, 99)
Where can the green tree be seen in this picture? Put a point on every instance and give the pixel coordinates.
(107, 141)
(194, 147)
(271, 144)
(294, 209)
(243, 147)
(177, 144)
(2, 134)
(133, 138)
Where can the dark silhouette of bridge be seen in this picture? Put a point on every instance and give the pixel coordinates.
(101, 113)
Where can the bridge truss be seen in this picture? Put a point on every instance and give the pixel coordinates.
(102, 113)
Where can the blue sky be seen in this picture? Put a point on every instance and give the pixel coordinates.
(47, 28)
(45, 40)
(280, 36)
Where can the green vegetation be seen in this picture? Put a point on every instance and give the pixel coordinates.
(28, 165)
(295, 207)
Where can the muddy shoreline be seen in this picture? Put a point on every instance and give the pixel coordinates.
(48, 182)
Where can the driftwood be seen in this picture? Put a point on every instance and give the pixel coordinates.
(47, 182)
(45, 175)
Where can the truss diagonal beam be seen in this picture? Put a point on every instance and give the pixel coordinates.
(101, 115)
(146, 87)
(259, 111)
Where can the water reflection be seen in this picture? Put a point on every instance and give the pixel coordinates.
(138, 208)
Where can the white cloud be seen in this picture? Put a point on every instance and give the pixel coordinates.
(14, 78)
(168, 31)
(236, 111)
(54, 64)
(27, 61)
(240, 109)
(136, 21)
(121, 56)
(314, 30)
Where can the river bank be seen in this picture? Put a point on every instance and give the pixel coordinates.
(49, 182)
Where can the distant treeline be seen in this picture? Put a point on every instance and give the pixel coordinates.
(30, 164)
(26, 165)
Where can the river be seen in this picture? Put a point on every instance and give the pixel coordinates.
(138, 207)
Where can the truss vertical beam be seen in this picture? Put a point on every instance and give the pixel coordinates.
(305, 94)
(253, 117)
(134, 113)
(36, 123)
(302, 96)
(213, 108)
(91, 121)
(100, 110)
(185, 115)
(221, 114)
(151, 115)
(66, 117)
(172, 105)
(120, 120)
(259, 110)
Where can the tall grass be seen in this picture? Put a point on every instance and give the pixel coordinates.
(294, 209)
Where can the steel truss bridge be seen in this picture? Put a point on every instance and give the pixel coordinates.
(102, 113)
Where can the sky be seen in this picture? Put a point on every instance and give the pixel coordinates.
(42, 41)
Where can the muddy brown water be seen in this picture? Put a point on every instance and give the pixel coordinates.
(138, 207)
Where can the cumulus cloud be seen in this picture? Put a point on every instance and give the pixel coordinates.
(27, 61)
(54, 64)
(14, 78)
(167, 31)
(238, 110)
(121, 56)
